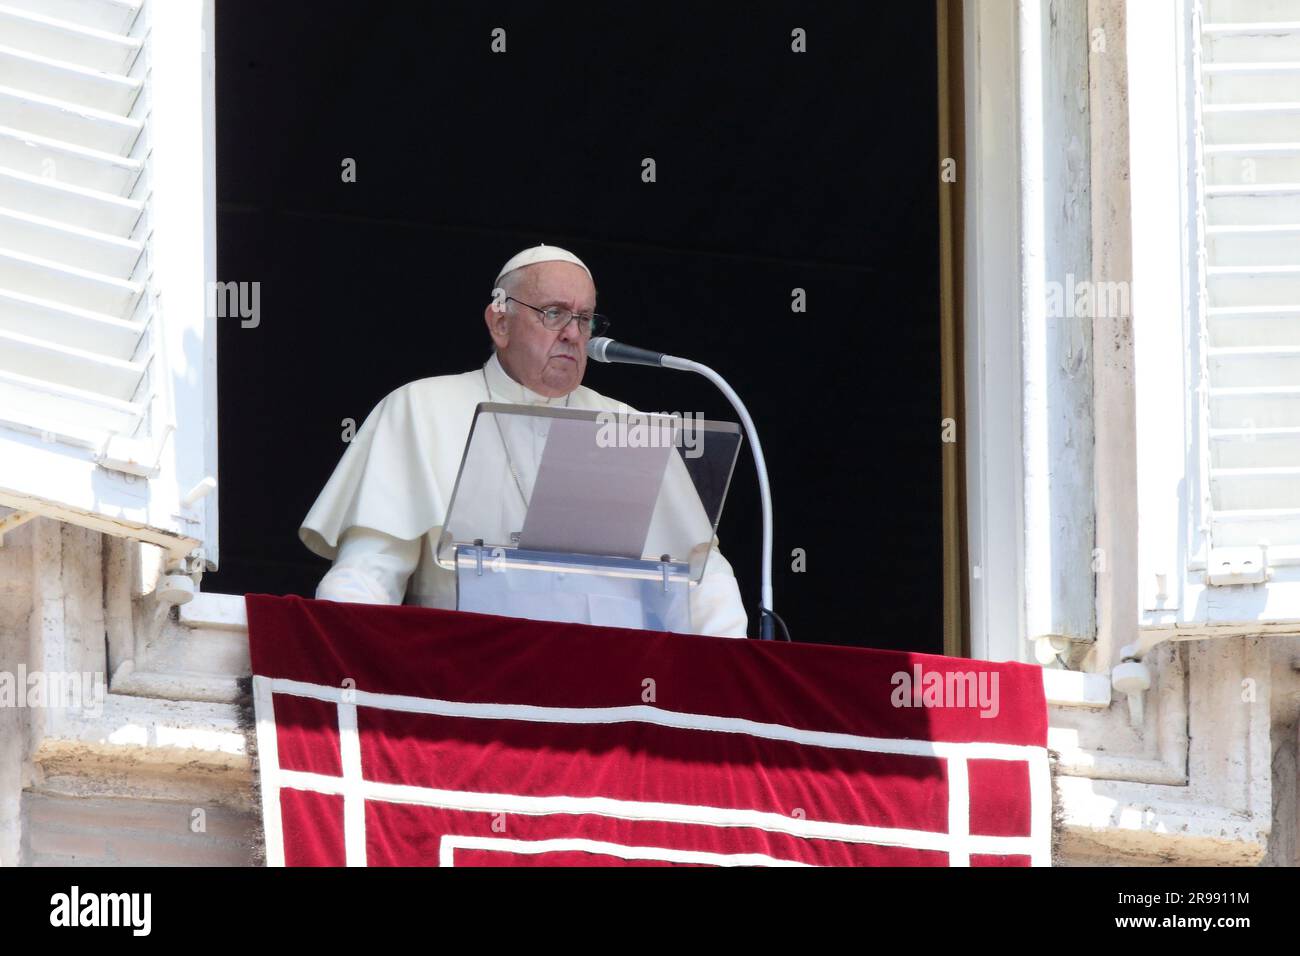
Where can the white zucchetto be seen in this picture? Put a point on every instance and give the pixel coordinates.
(541, 253)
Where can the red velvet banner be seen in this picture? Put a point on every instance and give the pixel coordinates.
(399, 736)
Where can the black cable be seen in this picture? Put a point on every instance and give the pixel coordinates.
(777, 617)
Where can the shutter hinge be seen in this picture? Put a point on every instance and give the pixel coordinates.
(1229, 566)
(130, 456)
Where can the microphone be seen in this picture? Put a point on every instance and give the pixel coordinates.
(604, 349)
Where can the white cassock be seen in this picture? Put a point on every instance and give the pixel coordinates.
(379, 516)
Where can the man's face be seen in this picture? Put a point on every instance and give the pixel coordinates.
(549, 362)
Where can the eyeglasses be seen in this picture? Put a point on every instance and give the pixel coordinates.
(557, 319)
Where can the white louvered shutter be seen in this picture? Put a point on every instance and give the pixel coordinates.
(106, 244)
(1250, 141)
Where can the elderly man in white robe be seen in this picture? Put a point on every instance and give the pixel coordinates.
(381, 513)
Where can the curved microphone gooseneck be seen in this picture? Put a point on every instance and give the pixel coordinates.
(604, 349)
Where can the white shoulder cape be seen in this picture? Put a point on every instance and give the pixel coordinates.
(398, 472)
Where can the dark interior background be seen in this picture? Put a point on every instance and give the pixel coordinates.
(776, 170)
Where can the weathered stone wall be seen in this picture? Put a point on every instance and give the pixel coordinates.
(157, 769)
